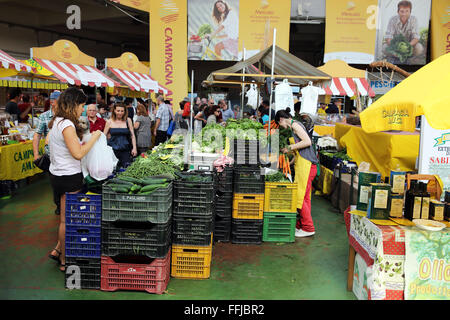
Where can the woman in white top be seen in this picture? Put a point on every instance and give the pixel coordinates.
(228, 28)
(66, 152)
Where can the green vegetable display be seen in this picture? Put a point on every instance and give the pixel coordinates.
(276, 177)
(149, 166)
(400, 48)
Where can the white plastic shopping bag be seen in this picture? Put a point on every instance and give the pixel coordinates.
(100, 161)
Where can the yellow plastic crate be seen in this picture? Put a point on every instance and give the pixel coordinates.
(191, 262)
(280, 197)
(248, 206)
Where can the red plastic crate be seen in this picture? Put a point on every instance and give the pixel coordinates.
(151, 277)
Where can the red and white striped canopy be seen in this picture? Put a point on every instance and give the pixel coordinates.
(138, 81)
(77, 74)
(9, 62)
(348, 87)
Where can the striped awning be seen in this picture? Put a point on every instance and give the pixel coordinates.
(77, 74)
(348, 87)
(9, 62)
(138, 81)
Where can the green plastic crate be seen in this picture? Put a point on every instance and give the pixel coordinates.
(279, 226)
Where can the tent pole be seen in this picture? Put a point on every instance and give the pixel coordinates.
(191, 131)
(271, 87)
(242, 87)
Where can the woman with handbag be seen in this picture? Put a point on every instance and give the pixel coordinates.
(119, 131)
(66, 152)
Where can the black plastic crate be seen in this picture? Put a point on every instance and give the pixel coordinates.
(89, 271)
(183, 191)
(222, 229)
(248, 179)
(182, 207)
(246, 152)
(246, 231)
(189, 223)
(136, 238)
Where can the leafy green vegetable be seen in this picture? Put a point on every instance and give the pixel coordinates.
(400, 48)
(151, 166)
(204, 29)
(276, 177)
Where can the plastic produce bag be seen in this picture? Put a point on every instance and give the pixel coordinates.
(100, 161)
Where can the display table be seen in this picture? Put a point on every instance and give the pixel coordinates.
(16, 160)
(385, 151)
(324, 130)
(393, 261)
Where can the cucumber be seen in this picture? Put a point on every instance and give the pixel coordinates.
(130, 179)
(119, 189)
(149, 181)
(135, 188)
(152, 187)
(120, 181)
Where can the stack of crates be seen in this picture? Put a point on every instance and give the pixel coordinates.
(224, 204)
(83, 240)
(248, 205)
(280, 211)
(136, 240)
(193, 225)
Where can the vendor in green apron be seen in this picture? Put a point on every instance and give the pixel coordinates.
(305, 169)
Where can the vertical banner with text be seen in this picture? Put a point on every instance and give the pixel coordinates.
(258, 19)
(440, 28)
(168, 48)
(350, 30)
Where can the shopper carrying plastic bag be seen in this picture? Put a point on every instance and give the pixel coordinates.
(100, 161)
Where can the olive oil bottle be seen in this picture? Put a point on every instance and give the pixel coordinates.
(413, 203)
(425, 210)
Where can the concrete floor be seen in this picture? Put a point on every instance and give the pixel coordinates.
(312, 268)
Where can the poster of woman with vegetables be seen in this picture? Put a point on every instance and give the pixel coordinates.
(213, 30)
(402, 37)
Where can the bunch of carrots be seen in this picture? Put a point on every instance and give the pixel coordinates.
(283, 163)
(273, 127)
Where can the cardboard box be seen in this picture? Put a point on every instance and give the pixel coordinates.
(437, 210)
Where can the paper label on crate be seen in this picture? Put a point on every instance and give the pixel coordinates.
(381, 199)
(132, 198)
(364, 194)
(84, 239)
(82, 207)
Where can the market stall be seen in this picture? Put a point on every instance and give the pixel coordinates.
(385, 151)
(133, 75)
(347, 82)
(398, 246)
(67, 63)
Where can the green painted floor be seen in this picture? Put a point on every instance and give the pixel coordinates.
(312, 268)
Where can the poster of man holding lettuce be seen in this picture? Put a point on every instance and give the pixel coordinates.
(402, 38)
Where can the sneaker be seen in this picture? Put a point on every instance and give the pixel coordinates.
(299, 233)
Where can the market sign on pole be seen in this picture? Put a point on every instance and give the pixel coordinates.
(434, 153)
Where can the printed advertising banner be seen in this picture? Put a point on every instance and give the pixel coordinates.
(168, 28)
(434, 155)
(363, 31)
(427, 268)
(440, 28)
(220, 30)
(350, 30)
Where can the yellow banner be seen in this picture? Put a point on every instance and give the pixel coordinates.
(16, 161)
(258, 19)
(168, 47)
(351, 30)
(440, 28)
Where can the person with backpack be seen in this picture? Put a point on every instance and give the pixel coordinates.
(163, 118)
